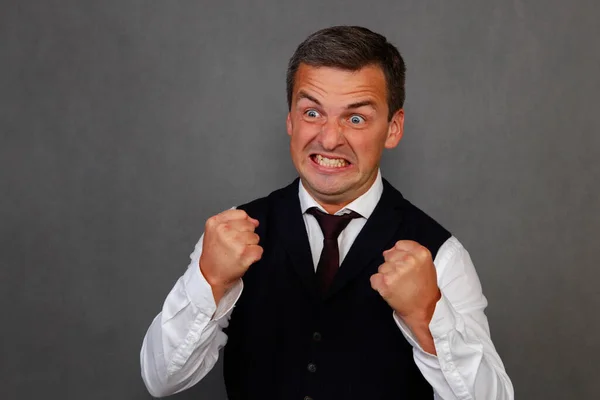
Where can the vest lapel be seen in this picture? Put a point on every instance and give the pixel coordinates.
(374, 238)
(291, 229)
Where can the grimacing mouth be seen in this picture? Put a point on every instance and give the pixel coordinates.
(331, 161)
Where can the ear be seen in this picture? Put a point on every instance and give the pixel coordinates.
(288, 124)
(395, 130)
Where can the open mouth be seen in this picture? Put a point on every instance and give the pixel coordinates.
(329, 162)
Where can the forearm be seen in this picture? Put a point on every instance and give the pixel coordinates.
(463, 363)
(422, 335)
(418, 325)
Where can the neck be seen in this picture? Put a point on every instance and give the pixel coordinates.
(335, 203)
(333, 208)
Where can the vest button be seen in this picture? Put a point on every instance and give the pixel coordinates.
(312, 367)
(317, 337)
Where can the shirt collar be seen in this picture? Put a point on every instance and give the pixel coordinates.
(364, 205)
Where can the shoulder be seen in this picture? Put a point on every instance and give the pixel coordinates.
(421, 225)
(263, 207)
(260, 207)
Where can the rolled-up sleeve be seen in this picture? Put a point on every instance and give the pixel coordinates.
(182, 344)
(467, 365)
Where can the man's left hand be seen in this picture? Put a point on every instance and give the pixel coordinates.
(407, 280)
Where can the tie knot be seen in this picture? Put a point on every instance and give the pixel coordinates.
(332, 225)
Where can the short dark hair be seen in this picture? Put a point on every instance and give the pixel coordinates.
(351, 48)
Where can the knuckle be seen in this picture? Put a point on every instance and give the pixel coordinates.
(409, 258)
(239, 251)
(243, 237)
(391, 252)
(423, 252)
(240, 214)
(211, 222)
(377, 281)
(373, 279)
(238, 224)
(259, 251)
(253, 253)
(385, 267)
(223, 228)
(388, 280)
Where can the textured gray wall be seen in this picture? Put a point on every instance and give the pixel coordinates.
(125, 124)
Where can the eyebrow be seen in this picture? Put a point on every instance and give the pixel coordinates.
(359, 104)
(303, 95)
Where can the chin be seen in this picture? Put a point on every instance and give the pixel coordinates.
(327, 189)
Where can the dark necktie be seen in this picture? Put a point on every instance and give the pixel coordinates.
(331, 226)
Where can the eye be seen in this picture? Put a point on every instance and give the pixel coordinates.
(356, 119)
(312, 113)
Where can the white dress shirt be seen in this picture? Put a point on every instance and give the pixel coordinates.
(183, 342)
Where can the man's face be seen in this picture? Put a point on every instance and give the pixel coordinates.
(338, 126)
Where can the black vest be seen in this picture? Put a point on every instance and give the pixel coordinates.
(286, 341)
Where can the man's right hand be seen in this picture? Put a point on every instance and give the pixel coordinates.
(229, 248)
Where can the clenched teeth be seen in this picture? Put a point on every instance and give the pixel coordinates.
(330, 162)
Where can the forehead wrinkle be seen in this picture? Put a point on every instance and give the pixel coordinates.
(344, 89)
(358, 98)
(311, 90)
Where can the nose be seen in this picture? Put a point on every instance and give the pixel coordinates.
(331, 135)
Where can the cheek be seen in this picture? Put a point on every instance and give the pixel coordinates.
(367, 146)
(303, 133)
(298, 143)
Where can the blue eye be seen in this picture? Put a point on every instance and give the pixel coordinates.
(312, 113)
(356, 119)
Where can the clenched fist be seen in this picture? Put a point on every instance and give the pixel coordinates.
(229, 248)
(407, 280)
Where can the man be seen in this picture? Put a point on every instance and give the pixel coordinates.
(342, 288)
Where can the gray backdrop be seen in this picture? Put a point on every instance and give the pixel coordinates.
(125, 124)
